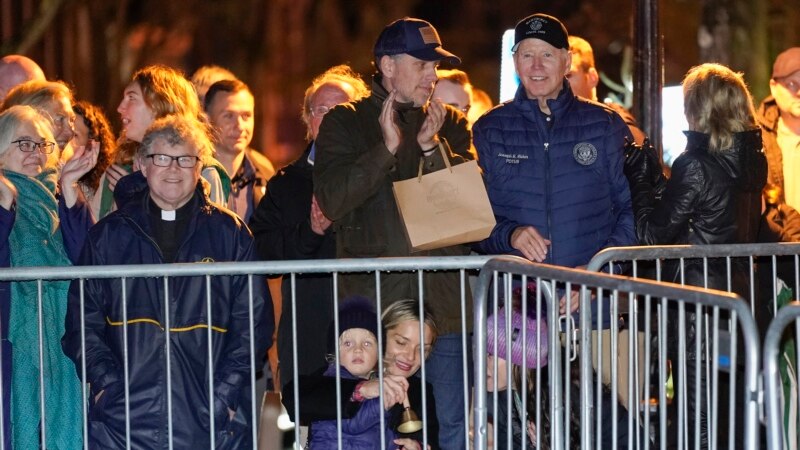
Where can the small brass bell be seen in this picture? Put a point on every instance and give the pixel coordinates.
(409, 422)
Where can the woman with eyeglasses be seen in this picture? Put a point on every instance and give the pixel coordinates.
(37, 228)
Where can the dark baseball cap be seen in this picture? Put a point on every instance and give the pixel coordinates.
(544, 27)
(415, 37)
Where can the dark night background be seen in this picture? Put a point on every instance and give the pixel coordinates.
(278, 46)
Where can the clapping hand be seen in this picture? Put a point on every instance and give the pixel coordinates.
(434, 118)
(390, 130)
(82, 161)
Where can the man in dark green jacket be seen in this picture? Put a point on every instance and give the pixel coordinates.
(362, 148)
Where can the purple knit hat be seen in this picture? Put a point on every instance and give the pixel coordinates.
(535, 335)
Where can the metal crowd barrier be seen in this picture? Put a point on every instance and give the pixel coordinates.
(642, 423)
(781, 406)
(779, 262)
(636, 292)
(129, 273)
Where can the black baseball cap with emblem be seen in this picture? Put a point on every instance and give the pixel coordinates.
(416, 37)
(544, 27)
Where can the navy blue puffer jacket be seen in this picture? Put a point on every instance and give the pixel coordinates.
(561, 174)
(125, 237)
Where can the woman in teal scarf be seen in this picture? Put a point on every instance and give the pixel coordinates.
(29, 201)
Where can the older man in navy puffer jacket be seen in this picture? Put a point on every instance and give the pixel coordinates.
(552, 162)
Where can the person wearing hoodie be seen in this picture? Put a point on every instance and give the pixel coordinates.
(712, 197)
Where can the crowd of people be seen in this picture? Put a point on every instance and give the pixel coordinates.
(566, 176)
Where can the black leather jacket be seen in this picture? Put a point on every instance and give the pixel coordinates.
(713, 197)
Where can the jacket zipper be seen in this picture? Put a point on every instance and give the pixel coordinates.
(547, 199)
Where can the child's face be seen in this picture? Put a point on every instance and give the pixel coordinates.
(358, 351)
(501, 374)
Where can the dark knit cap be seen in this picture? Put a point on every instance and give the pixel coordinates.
(354, 312)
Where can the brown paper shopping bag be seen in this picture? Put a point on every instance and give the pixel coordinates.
(446, 207)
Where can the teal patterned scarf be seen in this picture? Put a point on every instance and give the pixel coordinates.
(36, 240)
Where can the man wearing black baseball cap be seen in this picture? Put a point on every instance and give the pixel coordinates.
(552, 161)
(364, 146)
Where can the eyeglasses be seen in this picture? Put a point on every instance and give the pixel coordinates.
(792, 85)
(28, 146)
(185, 161)
(319, 111)
(61, 121)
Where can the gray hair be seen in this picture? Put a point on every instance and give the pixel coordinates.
(179, 130)
(342, 75)
(15, 116)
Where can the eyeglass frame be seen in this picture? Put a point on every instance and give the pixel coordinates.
(314, 113)
(41, 146)
(792, 85)
(176, 159)
(60, 120)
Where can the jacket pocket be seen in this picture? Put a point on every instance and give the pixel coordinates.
(108, 404)
(364, 232)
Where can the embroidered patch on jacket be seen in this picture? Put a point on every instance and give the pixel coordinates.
(207, 259)
(585, 153)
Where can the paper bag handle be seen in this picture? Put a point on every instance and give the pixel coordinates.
(444, 157)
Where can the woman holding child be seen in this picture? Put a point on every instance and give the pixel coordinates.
(361, 401)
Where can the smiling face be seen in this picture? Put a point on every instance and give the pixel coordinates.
(232, 114)
(135, 114)
(60, 109)
(170, 187)
(541, 69)
(26, 163)
(403, 346)
(358, 351)
(411, 77)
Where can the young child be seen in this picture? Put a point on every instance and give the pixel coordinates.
(358, 359)
(509, 348)
(510, 357)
